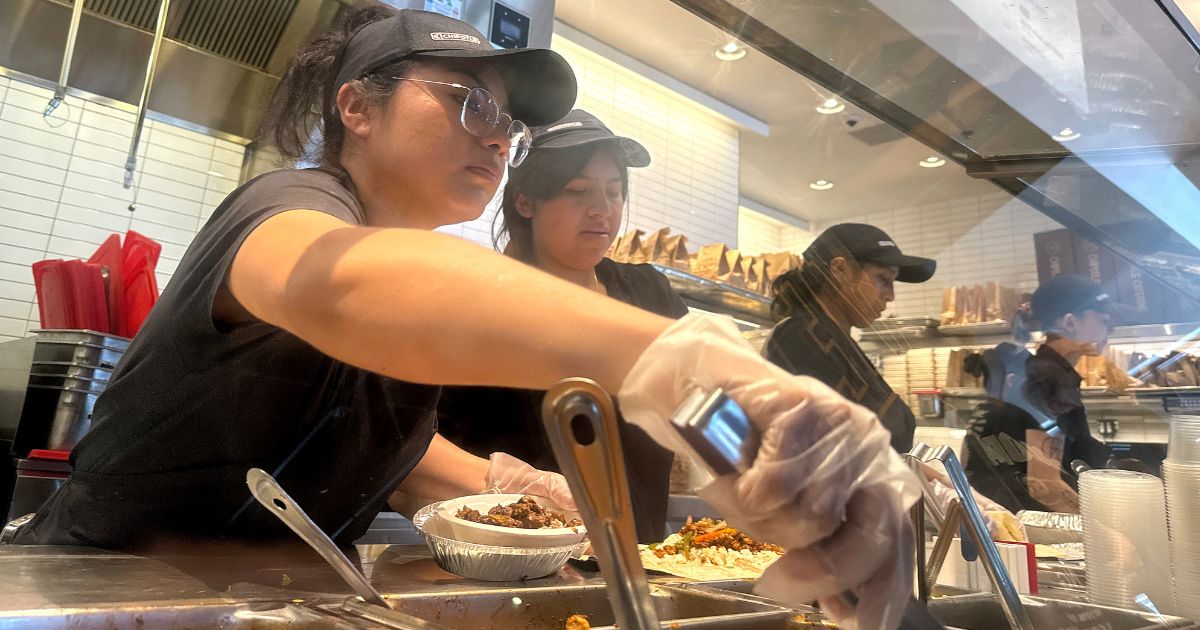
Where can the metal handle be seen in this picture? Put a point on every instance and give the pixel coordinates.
(144, 101)
(268, 492)
(1010, 600)
(582, 427)
(60, 91)
(937, 556)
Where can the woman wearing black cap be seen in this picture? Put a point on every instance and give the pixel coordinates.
(308, 324)
(562, 210)
(846, 281)
(1077, 317)
(997, 462)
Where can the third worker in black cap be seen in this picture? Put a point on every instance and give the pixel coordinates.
(846, 281)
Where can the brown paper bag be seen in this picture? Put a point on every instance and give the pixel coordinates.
(630, 245)
(710, 261)
(949, 306)
(672, 252)
(736, 272)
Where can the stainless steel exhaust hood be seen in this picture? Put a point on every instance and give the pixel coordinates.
(220, 59)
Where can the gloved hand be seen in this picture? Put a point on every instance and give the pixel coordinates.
(825, 485)
(508, 475)
(1002, 524)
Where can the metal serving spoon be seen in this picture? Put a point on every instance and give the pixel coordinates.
(268, 492)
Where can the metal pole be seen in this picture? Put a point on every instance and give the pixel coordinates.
(60, 91)
(160, 27)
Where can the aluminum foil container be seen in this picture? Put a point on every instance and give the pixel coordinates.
(1049, 528)
(489, 562)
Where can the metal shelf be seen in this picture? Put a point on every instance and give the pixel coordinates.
(987, 334)
(719, 297)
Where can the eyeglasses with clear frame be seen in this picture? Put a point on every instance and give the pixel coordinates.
(481, 116)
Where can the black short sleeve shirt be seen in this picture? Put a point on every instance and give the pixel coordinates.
(193, 405)
(483, 420)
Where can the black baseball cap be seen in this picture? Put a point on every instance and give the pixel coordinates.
(867, 243)
(578, 128)
(541, 85)
(1072, 294)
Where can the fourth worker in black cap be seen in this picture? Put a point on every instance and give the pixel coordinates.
(1076, 316)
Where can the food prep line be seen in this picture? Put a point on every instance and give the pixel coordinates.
(291, 587)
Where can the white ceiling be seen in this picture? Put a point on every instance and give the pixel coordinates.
(803, 145)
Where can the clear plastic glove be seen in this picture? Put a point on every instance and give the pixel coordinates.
(825, 485)
(508, 475)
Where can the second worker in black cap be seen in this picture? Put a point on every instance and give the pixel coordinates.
(846, 281)
(562, 210)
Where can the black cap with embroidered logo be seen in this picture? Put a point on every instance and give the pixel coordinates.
(541, 85)
(579, 128)
(867, 243)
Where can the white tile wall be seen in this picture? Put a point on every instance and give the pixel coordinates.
(975, 240)
(691, 184)
(759, 233)
(61, 190)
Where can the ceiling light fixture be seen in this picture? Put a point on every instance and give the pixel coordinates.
(821, 184)
(1067, 134)
(731, 51)
(831, 106)
(932, 161)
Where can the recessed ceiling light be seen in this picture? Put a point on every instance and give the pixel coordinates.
(731, 51)
(932, 161)
(1067, 134)
(831, 106)
(821, 184)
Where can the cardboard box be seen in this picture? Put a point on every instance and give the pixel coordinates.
(1055, 254)
(1145, 294)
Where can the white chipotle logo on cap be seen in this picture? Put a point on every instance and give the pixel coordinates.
(451, 37)
(886, 244)
(564, 126)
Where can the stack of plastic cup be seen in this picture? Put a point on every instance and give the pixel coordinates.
(1181, 470)
(1125, 539)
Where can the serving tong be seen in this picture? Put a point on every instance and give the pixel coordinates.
(581, 425)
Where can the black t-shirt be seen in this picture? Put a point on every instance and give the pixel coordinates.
(192, 406)
(1052, 388)
(811, 344)
(484, 420)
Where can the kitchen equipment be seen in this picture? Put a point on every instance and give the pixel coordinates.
(38, 477)
(489, 562)
(977, 529)
(53, 297)
(53, 417)
(466, 531)
(929, 403)
(140, 286)
(269, 493)
(722, 436)
(109, 257)
(581, 425)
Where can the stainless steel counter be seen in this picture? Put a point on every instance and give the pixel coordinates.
(289, 586)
